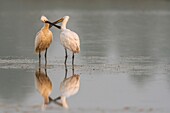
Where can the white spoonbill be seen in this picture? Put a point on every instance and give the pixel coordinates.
(69, 39)
(68, 87)
(44, 38)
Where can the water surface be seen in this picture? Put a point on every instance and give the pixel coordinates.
(124, 63)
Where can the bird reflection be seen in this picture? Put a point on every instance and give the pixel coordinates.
(68, 87)
(43, 85)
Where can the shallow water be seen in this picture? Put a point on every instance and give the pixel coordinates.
(124, 63)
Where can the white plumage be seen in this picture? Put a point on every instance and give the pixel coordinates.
(69, 39)
(69, 87)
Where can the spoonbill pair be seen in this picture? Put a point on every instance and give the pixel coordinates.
(69, 39)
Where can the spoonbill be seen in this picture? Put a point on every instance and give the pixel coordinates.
(44, 38)
(68, 87)
(43, 85)
(69, 39)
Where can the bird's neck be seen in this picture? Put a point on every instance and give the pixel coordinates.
(46, 26)
(63, 26)
(46, 99)
(64, 102)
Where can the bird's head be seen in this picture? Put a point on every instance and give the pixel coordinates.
(65, 18)
(44, 19)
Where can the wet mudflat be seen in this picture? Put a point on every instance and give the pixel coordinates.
(124, 63)
(132, 84)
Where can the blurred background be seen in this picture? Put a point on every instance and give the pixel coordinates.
(138, 23)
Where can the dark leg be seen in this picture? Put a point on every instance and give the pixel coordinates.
(73, 71)
(65, 56)
(46, 71)
(65, 72)
(73, 61)
(45, 57)
(39, 69)
(65, 66)
(39, 58)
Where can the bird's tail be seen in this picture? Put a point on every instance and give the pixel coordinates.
(37, 50)
(77, 50)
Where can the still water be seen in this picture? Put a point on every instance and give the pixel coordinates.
(124, 63)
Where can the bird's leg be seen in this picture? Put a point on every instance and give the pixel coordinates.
(65, 56)
(73, 61)
(65, 66)
(65, 72)
(46, 71)
(45, 57)
(39, 58)
(39, 69)
(72, 71)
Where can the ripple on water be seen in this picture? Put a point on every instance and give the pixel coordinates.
(53, 108)
(140, 64)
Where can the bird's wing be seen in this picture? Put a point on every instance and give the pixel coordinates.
(37, 40)
(75, 38)
(70, 40)
(70, 86)
(41, 37)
